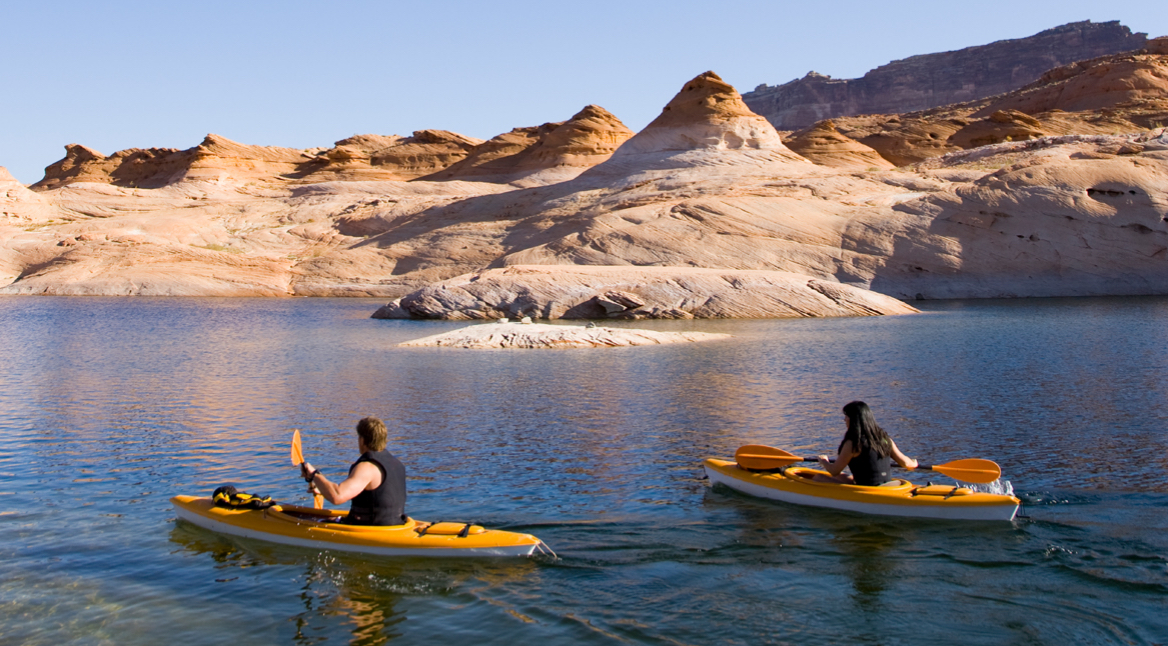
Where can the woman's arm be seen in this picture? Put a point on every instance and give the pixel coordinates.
(902, 459)
(841, 461)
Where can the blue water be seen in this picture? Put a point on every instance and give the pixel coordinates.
(110, 406)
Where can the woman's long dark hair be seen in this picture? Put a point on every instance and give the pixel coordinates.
(864, 432)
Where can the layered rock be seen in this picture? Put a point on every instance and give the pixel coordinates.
(1124, 93)
(543, 336)
(596, 292)
(549, 153)
(375, 157)
(931, 80)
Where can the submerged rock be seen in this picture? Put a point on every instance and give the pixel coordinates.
(541, 335)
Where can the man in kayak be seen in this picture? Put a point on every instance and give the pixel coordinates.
(376, 482)
(866, 450)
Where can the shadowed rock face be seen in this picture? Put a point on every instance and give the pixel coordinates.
(930, 80)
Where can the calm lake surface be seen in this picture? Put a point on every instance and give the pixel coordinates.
(109, 406)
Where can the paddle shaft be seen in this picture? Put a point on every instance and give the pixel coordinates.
(298, 460)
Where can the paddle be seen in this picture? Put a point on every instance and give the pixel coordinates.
(298, 459)
(760, 457)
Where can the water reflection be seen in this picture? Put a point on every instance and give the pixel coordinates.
(867, 549)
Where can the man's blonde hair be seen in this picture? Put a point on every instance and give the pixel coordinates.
(372, 432)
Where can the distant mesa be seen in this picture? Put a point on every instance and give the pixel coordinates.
(931, 80)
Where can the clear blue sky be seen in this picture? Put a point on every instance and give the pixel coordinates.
(114, 75)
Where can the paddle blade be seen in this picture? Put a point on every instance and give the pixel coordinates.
(760, 456)
(297, 454)
(970, 470)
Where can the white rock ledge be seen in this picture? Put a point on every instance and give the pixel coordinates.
(529, 336)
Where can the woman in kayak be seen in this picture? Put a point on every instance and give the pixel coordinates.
(866, 450)
(376, 482)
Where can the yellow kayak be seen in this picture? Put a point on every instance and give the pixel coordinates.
(895, 498)
(322, 529)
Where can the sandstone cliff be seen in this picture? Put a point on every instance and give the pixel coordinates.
(708, 185)
(930, 80)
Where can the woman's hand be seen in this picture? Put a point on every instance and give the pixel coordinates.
(825, 462)
(306, 470)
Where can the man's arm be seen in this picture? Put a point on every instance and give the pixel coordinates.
(346, 490)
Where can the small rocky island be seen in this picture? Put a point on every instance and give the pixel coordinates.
(527, 335)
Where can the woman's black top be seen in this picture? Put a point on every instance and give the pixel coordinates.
(869, 469)
(385, 505)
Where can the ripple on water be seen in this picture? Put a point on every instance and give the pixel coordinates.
(108, 407)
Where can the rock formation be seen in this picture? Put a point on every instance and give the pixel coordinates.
(544, 336)
(826, 146)
(931, 80)
(216, 158)
(708, 186)
(550, 153)
(597, 292)
(359, 158)
(705, 124)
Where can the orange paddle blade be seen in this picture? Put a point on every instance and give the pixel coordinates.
(760, 456)
(297, 454)
(970, 470)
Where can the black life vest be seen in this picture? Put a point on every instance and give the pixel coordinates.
(385, 505)
(869, 469)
